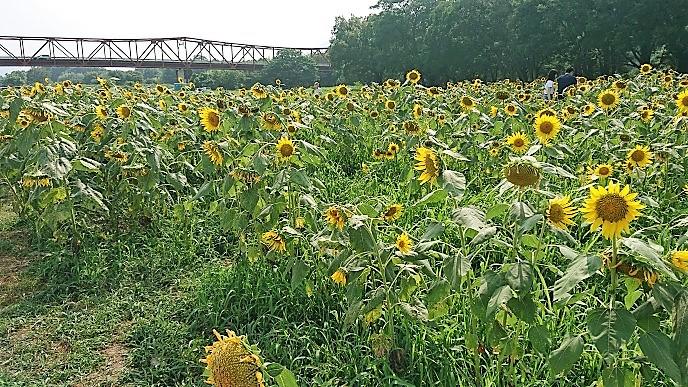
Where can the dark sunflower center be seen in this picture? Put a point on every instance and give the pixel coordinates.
(684, 101)
(612, 207)
(467, 101)
(608, 99)
(604, 171)
(213, 119)
(518, 142)
(286, 150)
(546, 127)
(556, 213)
(638, 155)
(391, 212)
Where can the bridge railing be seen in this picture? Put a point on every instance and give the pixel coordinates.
(180, 52)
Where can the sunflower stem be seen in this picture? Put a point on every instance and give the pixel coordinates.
(612, 271)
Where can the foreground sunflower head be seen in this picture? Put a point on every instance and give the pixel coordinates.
(611, 207)
(230, 363)
(523, 172)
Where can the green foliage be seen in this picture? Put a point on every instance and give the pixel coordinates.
(292, 68)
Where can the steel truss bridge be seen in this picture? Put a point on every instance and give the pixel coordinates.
(176, 53)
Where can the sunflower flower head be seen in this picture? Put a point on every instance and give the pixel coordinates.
(518, 142)
(285, 148)
(680, 260)
(273, 241)
(230, 362)
(560, 212)
(547, 127)
(413, 76)
(335, 217)
(640, 156)
(404, 244)
(611, 207)
(393, 212)
(210, 119)
(426, 162)
(523, 172)
(339, 277)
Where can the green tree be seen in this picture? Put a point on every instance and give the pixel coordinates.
(292, 68)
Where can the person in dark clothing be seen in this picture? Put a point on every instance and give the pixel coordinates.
(566, 80)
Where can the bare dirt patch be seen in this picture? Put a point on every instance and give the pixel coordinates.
(108, 374)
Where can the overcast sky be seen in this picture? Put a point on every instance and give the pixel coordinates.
(294, 23)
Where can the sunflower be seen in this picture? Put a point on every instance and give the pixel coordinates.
(341, 91)
(620, 85)
(258, 91)
(603, 170)
(426, 161)
(547, 127)
(613, 208)
(518, 141)
(404, 244)
(393, 212)
(646, 114)
(390, 105)
(183, 108)
(560, 212)
(645, 69)
(413, 76)
(588, 109)
(123, 111)
(511, 109)
(231, 362)
(210, 119)
(335, 217)
(493, 111)
(467, 103)
(680, 260)
(270, 121)
(97, 133)
(546, 112)
(682, 101)
(213, 152)
(101, 112)
(339, 277)
(640, 156)
(285, 148)
(393, 147)
(273, 241)
(608, 99)
(523, 172)
(417, 111)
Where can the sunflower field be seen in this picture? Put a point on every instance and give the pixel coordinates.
(384, 234)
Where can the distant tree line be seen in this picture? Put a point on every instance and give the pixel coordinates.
(491, 39)
(291, 67)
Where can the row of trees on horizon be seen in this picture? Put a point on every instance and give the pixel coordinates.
(451, 40)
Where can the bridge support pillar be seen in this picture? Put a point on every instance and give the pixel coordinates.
(184, 74)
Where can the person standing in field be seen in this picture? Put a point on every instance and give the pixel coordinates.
(548, 90)
(565, 81)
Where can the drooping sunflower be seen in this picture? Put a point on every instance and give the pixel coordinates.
(258, 91)
(404, 244)
(230, 362)
(335, 217)
(413, 76)
(393, 212)
(640, 156)
(523, 172)
(339, 277)
(213, 152)
(123, 111)
(273, 241)
(608, 99)
(603, 171)
(210, 119)
(547, 127)
(271, 121)
(426, 161)
(467, 103)
(518, 141)
(560, 212)
(682, 101)
(101, 112)
(613, 208)
(97, 133)
(285, 148)
(680, 260)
